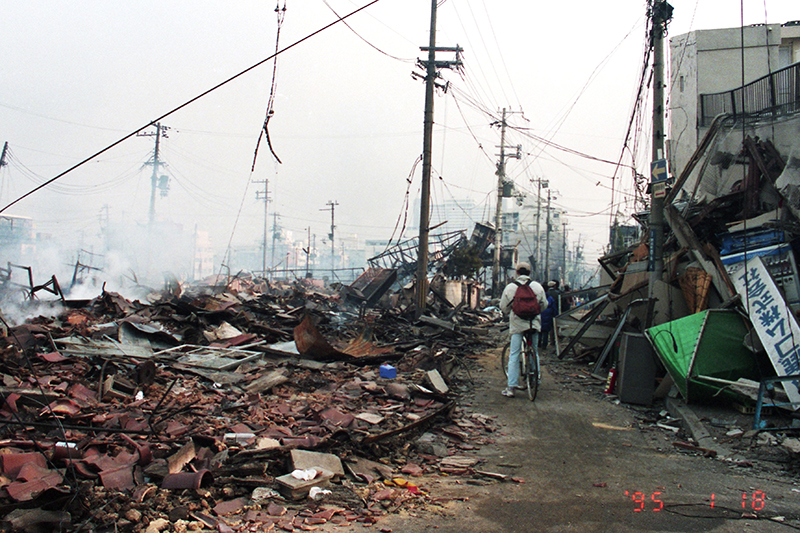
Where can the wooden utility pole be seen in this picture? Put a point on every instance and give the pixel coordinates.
(564, 251)
(427, 143)
(538, 253)
(308, 253)
(547, 240)
(275, 216)
(661, 13)
(265, 197)
(332, 206)
(498, 213)
(161, 131)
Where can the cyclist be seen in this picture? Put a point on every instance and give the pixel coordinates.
(517, 326)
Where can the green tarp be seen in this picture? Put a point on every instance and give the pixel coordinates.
(709, 344)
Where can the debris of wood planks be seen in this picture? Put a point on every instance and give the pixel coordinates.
(266, 382)
(227, 418)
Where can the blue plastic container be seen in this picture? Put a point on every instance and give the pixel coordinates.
(388, 371)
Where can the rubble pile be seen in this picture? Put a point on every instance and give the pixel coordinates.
(719, 322)
(231, 412)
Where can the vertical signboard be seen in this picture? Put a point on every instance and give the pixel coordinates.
(772, 319)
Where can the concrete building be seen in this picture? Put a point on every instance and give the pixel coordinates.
(454, 214)
(524, 224)
(706, 62)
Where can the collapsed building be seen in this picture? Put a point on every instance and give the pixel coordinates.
(721, 323)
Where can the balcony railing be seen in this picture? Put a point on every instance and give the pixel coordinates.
(773, 95)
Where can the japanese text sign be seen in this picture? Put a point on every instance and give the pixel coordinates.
(772, 319)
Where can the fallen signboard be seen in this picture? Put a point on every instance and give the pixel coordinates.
(772, 319)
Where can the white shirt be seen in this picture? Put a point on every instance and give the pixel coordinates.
(516, 324)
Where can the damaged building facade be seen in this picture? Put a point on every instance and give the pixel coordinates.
(721, 323)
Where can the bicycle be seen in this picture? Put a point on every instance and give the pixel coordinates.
(528, 364)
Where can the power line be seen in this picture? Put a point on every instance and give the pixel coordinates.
(349, 27)
(185, 104)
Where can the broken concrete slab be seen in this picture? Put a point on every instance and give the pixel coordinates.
(297, 489)
(437, 382)
(304, 459)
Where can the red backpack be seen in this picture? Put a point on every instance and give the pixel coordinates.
(525, 303)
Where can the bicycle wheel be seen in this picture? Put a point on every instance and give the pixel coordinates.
(504, 358)
(532, 374)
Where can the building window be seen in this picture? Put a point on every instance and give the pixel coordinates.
(784, 56)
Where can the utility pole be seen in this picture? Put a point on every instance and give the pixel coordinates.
(264, 196)
(537, 254)
(161, 131)
(308, 252)
(498, 214)
(194, 254)
(547, 240)
(564, 251)
(431, 73)
(661, 13)
(274, 236)
(332, 206)
(104, 223)
(3, 161)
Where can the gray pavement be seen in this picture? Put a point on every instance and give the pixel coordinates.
(587, 465)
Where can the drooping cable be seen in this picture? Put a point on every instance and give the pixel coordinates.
(404, 214)
(349, 27)
(264, 133)
(185, 104)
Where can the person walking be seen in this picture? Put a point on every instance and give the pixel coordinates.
(554, 291)
(547, 322)
(517, 325)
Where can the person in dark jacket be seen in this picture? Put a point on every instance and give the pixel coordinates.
(554, 291)
(547, 322)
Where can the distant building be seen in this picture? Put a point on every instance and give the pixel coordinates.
(17, 238)
(524, 224)
(203, 255)
(455, 214)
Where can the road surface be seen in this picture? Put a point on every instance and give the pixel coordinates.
(588, 466)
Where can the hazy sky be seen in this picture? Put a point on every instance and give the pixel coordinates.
(348, 118)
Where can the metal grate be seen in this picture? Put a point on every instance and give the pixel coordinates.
(773, 95)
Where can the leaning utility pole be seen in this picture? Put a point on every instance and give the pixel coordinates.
(498, 213)
(161, 131)
(427, 143)
(264, 196)
(661, 13)
(332, 206)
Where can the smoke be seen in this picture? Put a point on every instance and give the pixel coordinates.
(19, 312)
